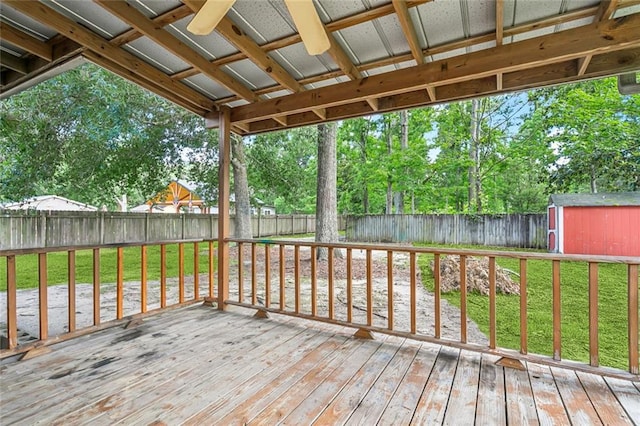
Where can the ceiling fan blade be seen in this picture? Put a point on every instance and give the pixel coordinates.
(209, 16)
(310, 27)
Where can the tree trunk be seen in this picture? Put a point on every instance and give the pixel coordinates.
(389, 203)
(474, 159)
(404, 145)
(241, 189)
(326, 202)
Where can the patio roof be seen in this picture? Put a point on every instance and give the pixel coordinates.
(384, 55)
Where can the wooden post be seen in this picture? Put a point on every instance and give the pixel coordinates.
(463, 299)
(96, 286)
(71, 274)
(492, 303)
(12, 308)
(296, 278)
(413, 290)
(211, 271)
(369, 261)
(523, 307)
(163, 275)
(593, 314)
(196, 271)
(143, 278)
(349, 285)
(267, 275)
(42, 284)
(330, 273)
(240, 272)
(436, 295)
(120, 283)
(282, 265)
(557, 353)
(224, 154)
(389, 289)
(314, 292)
(181, 272)
(632, 278)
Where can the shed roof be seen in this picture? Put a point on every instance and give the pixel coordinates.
(598, 199)
(49, 202)
(384, 56)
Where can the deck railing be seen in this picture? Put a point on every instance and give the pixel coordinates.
(95, 297)
(290, 284)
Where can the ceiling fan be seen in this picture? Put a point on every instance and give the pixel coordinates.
(303, 12)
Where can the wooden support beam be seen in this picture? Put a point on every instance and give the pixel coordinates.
(402, 12)
(583, 64)
(146, 26)
(558, 47)
(160, 21)
(431, 91)
(224, 155)
(281, 120)
(14, 63)
(373, 103)
(499, 81)
(76, 32)
(606, 10)
(26, 42)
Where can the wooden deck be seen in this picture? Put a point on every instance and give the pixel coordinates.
(201, 366)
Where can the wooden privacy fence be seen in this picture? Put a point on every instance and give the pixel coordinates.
(28, 230)
(505, 230)
(285, 277)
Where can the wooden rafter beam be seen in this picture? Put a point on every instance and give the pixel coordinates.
(14, 63)
(402, 12)
(563, 72)
(606, 10)
(446, 47)
(91, 41)
(146, 26)
(583, 64)
(26, 42)
(557, 47)
(161, 20)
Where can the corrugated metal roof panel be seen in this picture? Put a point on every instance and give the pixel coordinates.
(261, 20)
(152, 52)
(8, 48)
(526, 11)
(482, 16)
(297, 61)
(100, 20)
(204, 84)
(213, 45)
(364, 41)
(441, 22)
(395, 36)
(250, 74)
(155, 7)
(26, 24)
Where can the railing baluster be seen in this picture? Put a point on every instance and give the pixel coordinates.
(96, 286)
(196, 271)
(120, 283)
(632, 279)
(181, 272)
(296, 278)
(314, 282)
(254, 277)
(593, 314)
(143, 278)
(12, 303)
(330, 261)
(463, 298)
(413, 290)
(523, 307)
(43, 293)
(267, 275)
(163, 275)
(349, 286)
(389, 289)
(240, 272)
(211, 269)
(369, 288)
(283, 261)
(492, 303)
(436, 294)
(71, 278)
(557, 355)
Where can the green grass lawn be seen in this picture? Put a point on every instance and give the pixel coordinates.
(27, 265)
(612, 306)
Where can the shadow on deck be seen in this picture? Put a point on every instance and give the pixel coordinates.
(198, 365)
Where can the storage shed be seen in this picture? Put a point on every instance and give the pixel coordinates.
(600, 224)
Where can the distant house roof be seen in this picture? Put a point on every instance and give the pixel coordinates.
(177, 193)
(598, 199)
(50, 203)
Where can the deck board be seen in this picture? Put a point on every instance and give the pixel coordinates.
(198, 366)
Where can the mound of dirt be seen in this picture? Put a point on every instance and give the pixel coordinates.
(477, 276)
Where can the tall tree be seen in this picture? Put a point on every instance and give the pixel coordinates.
(326, 204)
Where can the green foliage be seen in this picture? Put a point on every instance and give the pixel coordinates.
(91, 136)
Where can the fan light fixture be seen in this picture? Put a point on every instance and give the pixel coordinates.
(303, 12)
